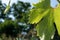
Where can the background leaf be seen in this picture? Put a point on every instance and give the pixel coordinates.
(8, 7)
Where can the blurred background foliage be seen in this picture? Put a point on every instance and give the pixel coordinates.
(14, 23)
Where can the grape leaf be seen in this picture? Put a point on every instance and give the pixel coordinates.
(44, 16)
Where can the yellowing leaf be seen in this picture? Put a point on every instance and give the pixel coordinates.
(57, 18)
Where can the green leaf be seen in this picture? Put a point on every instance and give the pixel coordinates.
(46, 26)
(42, 15)
(44, 4)
(41, 9)
(37, 15)
(57, 18)
(7, 8)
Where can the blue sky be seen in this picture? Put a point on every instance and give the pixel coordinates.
(12, 1)
(53, 2)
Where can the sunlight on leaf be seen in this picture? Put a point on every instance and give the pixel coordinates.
(40, 10)
(57, 18)
(36, 16)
